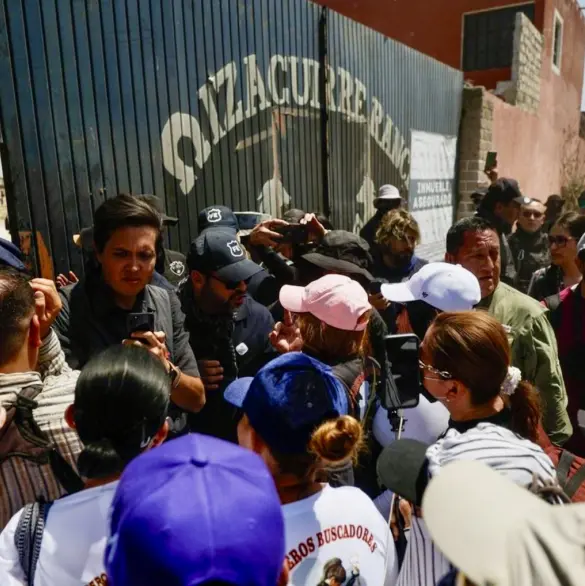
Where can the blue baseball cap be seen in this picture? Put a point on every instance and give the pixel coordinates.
(196, 510)
(217, 217)
(288, 398)
(10, 256)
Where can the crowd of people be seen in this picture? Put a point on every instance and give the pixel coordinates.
(236, 416)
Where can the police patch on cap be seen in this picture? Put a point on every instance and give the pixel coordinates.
(235, 248)
(214, 215)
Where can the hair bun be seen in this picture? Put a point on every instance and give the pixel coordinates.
(338, 439)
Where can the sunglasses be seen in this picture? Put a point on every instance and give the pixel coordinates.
(232, 285)
(559, 241)
(442, 374)
(532, 214)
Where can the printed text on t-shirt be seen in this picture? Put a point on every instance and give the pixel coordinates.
(296, 555)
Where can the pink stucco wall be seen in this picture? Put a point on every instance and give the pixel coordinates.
(531, 146)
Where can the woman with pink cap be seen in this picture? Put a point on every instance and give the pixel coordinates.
(328, 320)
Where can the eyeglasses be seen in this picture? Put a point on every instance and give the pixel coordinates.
(443, 374)
(560, 241)
(532, 214)
(232, 285)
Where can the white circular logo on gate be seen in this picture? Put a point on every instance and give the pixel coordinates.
(235, 248)
(213, 215)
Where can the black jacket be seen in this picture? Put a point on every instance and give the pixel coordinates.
(508, 275)
(530, 251)
(368, 232)
(239, 342)
(546, 282)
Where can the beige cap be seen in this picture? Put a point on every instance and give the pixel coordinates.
(501, 534)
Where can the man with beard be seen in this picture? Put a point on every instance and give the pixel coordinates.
(396, 238)
(388, 199)
(227, 328)
(475, 244)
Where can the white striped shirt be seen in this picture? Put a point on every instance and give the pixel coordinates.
(497, 447)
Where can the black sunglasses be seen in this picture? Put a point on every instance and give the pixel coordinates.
(232, 285)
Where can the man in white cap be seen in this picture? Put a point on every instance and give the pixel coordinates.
(388, 199)
(436, 287)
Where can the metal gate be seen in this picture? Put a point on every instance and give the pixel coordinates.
(255, 104)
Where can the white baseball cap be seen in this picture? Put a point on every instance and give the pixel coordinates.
(442, 285)
(497, 532)
(388, 192)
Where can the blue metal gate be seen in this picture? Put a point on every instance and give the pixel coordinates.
(255, 104)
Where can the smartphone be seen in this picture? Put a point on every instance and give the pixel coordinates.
(139, 322)
(403, 354)
(491, 160)
(374, 287)
(294, 233)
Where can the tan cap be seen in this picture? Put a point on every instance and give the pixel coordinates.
(501, 534)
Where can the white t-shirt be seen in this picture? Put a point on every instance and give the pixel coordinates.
(73, 545)
(425, 423)
(338, 523)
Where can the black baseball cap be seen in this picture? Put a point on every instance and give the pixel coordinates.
(342, 251)
(504, 191)
(217, 217)
(219, 251)
(402, 468)
(156, 203)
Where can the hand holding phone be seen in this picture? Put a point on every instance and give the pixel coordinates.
(294, 233)
(139, 322)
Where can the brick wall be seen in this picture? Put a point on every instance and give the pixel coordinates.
(477, 116)
(524, 90)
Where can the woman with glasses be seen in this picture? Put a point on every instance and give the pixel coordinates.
(465, 365)
(120, 410)
(494, 418)
(563, 271)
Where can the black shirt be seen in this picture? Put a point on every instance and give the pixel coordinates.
(502, 418)
(239, 342)
(90, 321)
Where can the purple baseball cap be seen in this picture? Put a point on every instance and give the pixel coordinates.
(196, 510)
(288, 398)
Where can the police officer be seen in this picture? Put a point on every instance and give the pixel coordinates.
(228, 329)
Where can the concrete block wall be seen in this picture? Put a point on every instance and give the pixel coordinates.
(474, 143)
(524, 90)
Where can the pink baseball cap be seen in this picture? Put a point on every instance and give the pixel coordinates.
(336, 300)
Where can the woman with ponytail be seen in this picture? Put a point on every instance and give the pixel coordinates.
(120, 410)
(494, 418)
(465, 364)
(295, 416)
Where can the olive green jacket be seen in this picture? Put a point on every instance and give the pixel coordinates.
(534, 352)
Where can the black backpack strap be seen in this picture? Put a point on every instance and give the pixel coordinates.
(572, 486)
(564, 467)
(29, 535)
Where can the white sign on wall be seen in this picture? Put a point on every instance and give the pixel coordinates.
(432, 189)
